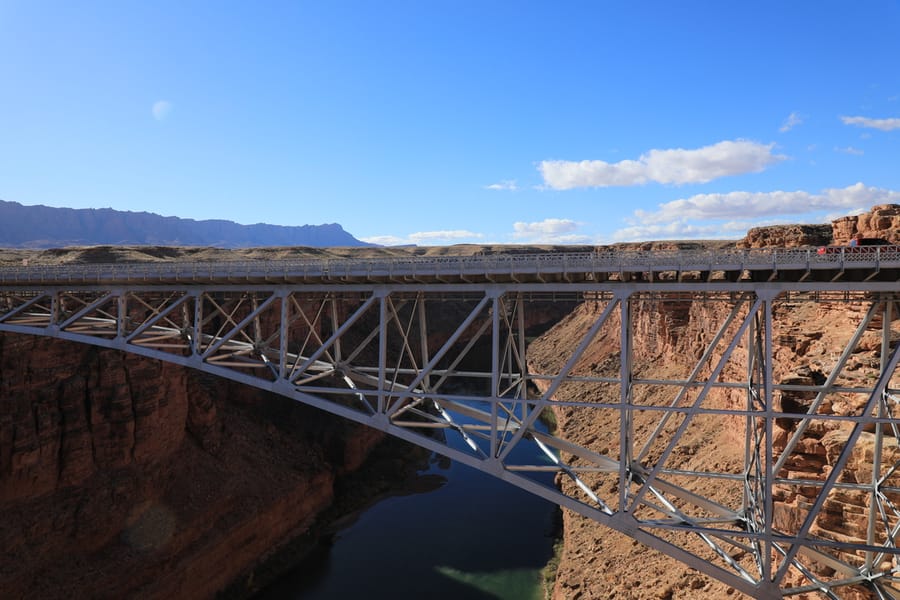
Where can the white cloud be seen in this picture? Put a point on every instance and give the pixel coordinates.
(162, 109)
(675, 166)
(677, 230)
(507, 184)
(549, 231)
(750, 205)
(792, 121)
(683, 229)
(545, 227)
(426, 238)
(882, 124)
(385, 240)
(850, 150)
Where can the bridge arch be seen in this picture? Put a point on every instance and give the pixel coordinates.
(397, 356)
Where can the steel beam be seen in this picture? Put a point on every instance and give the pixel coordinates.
(392, 368)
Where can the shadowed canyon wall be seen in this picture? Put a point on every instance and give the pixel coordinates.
(126, 476)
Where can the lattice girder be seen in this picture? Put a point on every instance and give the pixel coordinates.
(447, 367)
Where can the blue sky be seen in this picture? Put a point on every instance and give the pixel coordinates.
(449, 121)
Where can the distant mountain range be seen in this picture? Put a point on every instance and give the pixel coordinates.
(47, 227)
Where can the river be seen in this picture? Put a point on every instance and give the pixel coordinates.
(469, 536)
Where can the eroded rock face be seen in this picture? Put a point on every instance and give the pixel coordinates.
(600, 563)
(70, 411)
(668, 340)
(126, 477)
(787, 236)
(882, 221)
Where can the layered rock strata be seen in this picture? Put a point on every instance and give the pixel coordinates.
(121, 476)
(598, 563)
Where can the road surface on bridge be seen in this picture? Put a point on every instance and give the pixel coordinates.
(876, 263)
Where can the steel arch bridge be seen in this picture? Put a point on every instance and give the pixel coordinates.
(391, 343)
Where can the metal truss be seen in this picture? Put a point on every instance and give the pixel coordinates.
(446, 366)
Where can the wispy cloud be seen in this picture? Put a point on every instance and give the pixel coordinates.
(507, 184)
(426, 238)
(443, 236)
(547, 226)
(691, 230)
(385, 240)
(882, 124)
(161, 110)
(850, 150)
(792, 121)
(752, 205)
(675, 166)
(549, 231)
(678, 230)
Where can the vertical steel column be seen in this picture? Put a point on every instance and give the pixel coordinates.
(755, 479)
(423, 339)
(284, 328)
(334, 327)
(257, 325)
(522, 393)
(769, 502)
(626, 435)
(382, 350)
(495, 369)
(55, 309)
(121, 313)
(750, 499)
(197, 328)
(874, 493)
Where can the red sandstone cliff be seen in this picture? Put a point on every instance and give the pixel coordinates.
(121, 476)
(882, 221)
(598, 563)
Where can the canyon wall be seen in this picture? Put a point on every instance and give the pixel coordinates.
(881, 221)
(670, 336)
(122, 476)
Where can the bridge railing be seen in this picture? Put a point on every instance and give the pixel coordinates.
(479, 264)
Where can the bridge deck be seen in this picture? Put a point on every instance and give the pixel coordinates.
(875, 264)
